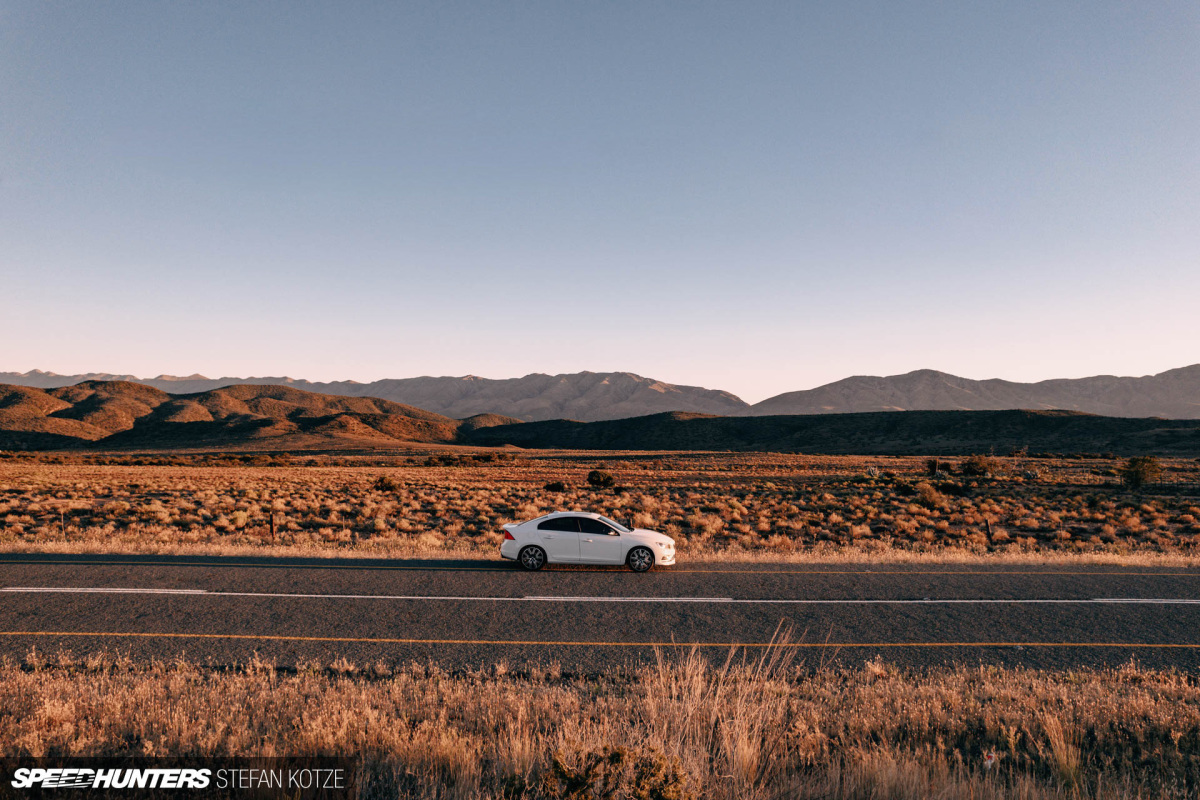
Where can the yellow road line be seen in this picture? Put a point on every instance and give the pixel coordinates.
(535, 643)
(490, 566)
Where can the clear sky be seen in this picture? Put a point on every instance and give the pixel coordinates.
(757, 197)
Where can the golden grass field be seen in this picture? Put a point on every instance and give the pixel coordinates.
(768, 506)
(681, 728)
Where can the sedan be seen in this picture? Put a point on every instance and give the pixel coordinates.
(580, 537)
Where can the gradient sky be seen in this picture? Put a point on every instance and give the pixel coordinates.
(757, 197)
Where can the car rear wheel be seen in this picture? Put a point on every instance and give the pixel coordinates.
(532, 558)
(640, 559)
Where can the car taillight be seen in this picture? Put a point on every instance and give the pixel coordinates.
(509, 537)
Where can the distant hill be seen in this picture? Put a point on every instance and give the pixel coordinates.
(52, 380)
(581, 395)
(125, 415)
(879, 433)
(122, 414)
(1174, 394)
(593, 396)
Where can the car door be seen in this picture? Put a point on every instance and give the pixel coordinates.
(598, 543)
(560, 538)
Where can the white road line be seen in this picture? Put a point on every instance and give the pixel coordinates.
(847, 601)
(566, 599)
(1142, 600)
(593, 599)
(984, 601)
(207, 593)
(95, 590)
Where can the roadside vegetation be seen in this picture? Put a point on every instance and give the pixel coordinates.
(718, 504)
(685, 727)
(681, 728)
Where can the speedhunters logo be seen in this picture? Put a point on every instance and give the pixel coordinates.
(82, 778)
(292, 778)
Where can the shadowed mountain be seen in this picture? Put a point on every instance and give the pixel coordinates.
(582, 395)
(1174, 394)
(120, 414)
(881, 433)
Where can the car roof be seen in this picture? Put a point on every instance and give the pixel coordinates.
(591, 514)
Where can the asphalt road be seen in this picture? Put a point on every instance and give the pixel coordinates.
(469, 613)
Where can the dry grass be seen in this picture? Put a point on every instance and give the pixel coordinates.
(683, 727)
(730, 505)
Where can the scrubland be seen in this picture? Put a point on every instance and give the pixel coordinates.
(715, 504)
(685, 727)
(681, 728)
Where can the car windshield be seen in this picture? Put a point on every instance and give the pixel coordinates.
(615, 524)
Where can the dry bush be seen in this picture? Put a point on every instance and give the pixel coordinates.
(600, 479)
(1140, 471)
(978, 466)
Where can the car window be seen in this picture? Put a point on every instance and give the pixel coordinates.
(615, 524)
(589, 525)
(560, 524)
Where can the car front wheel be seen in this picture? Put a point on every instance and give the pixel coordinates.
(640, 559)
(532, 558)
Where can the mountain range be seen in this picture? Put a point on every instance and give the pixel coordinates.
(122, 415)
(597, 396)
(582, 395)
(1174, 394)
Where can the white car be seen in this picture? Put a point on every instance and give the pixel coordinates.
(580, 537)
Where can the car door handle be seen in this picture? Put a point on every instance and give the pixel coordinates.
(587, 540)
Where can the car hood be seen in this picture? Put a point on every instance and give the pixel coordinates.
(649, 537)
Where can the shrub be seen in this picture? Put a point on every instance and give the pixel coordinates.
(1141, 470)
(935, 465)
(384, 484)
(980, 467)
(929, 496)
(600, 479)
(952, 488)
(555, 486)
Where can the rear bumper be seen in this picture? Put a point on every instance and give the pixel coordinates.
(509, 550)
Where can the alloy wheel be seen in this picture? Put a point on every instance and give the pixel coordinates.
(533, 558)
(640, 559)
